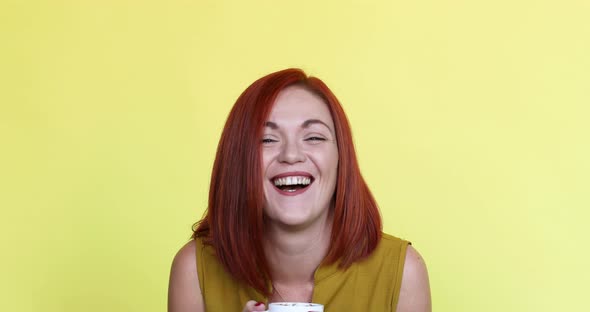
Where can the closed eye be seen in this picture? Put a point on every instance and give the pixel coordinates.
(315, 138)
(268, 141)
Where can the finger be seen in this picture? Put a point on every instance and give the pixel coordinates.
(253, 306)
(259, 306)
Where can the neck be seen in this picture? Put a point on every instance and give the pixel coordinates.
(294, 255)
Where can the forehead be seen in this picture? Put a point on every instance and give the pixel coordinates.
(297, 104)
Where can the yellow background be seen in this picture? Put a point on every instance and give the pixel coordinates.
(470, 119)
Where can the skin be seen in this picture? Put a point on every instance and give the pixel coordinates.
(299, 226)
(300, 138)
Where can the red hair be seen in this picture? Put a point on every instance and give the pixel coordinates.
(233, 224)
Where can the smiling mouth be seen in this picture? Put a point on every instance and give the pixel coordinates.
(292, 184)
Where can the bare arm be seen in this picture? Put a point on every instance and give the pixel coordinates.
(184, 291)
(415, 289)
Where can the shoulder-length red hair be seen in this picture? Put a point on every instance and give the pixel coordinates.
(233, 224)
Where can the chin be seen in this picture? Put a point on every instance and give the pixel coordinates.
(287, 220)
(293, 220)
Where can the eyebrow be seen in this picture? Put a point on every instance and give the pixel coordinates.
(310, 122)
(306, 124)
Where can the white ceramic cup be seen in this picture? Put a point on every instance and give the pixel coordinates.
(295, 307)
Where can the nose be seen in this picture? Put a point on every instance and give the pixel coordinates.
(291, 153)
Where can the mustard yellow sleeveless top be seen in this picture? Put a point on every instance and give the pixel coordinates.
(372, 284)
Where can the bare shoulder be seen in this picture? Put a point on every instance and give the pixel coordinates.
(186, 257)
(184, 291)
(415, 289)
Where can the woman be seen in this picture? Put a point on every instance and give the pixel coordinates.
(290, 217)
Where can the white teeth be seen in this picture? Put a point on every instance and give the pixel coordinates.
(294, 180)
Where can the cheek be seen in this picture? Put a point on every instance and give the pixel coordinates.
(266, 159)
(333, 158)
(334, 168)
(330, 163)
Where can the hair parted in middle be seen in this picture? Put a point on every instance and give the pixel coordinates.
(233, 223)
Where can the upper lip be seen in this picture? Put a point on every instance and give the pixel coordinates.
(292, 174)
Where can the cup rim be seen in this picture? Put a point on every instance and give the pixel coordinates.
(297, 304)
